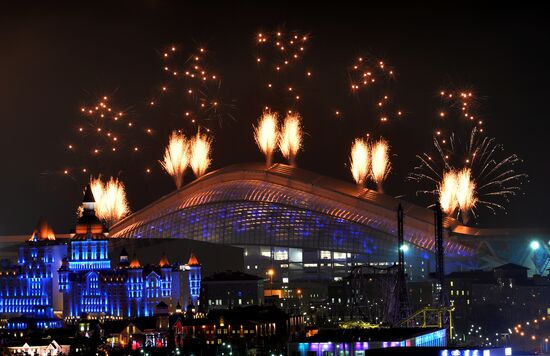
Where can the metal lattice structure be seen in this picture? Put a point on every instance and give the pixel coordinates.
(375, 296)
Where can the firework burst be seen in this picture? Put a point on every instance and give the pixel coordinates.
(380, 162)
(447, 192)
(483, 175)
(376, 76)
(200, 159)
(103, 133)
(465, 193)
(280, 58)
(359, 161)
(111, 204)
(266, 135)
(192, 73)
(176, 157)
(290, 141)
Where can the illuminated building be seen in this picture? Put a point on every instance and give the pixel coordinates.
(230, 289)
(91, 286)
(194, 268)
(491, 299)
(358, 341)
(244, 328)
(29, 288)
(309, 227)
(38, 347)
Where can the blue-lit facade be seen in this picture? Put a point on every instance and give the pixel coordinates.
(90, 285)
(124, 291)
(194, 279)
(29, 288)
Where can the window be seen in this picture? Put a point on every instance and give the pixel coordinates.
(280, 255)
(339, 256)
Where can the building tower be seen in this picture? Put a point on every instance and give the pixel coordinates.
(29, 288)
(80, 278)
(123, 260)
(194, 279)
(440, 253)
(403, 310)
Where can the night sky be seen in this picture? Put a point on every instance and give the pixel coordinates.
(58, 56)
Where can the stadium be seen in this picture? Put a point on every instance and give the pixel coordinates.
(309, 227)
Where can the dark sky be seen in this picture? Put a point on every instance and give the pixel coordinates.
(58, 56)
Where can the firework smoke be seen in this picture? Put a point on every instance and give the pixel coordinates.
(176, 157)
(200, 153)
(290, 141)
(380, 162)
(111, 204)
(359, 161)
(266, 135)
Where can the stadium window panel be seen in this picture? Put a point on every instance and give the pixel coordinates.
(280, 255)
(339, 255)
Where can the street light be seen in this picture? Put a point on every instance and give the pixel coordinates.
(404, 248)
(271, 273)
(535, 245)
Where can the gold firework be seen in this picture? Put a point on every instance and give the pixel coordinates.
(176, 157)
(291, 137)
(200, 153)
(359, 161)
(266, 135)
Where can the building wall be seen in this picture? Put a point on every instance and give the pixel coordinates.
(28, 287)
(228, 294)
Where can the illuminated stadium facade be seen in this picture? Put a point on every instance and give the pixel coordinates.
(311, 227)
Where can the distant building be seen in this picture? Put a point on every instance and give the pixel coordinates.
(148, 332)
(231, 289)
(496, 299)
(251, 329)
(38, 347)
(29, 288)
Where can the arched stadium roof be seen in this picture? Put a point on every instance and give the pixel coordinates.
(295, 187)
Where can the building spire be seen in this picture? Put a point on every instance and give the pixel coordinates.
(193, 261)
(88, 202)
(43, 231)
(164, 261)
(135, 262)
